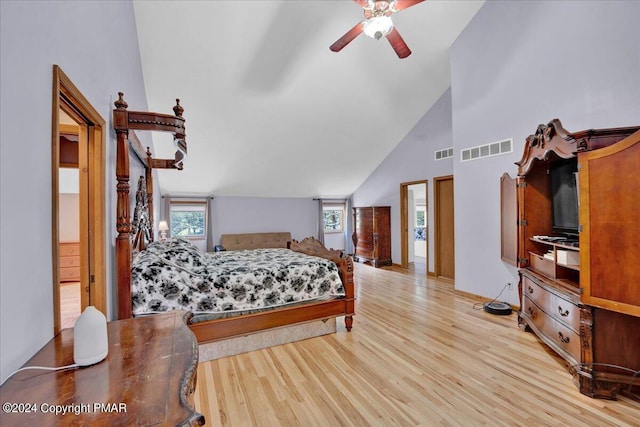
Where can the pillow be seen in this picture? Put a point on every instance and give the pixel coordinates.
(177, 250)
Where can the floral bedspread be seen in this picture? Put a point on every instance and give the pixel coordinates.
(177, 275)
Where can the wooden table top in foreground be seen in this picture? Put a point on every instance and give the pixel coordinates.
(147, 379)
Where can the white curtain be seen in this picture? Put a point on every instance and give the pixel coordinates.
(210, 244)
(348, 227)
(166, 212)
(320, 222)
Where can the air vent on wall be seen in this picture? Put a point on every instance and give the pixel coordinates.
(487, 150)
(444, 154)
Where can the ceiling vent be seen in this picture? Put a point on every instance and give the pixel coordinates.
(487, 150)
(444, 154)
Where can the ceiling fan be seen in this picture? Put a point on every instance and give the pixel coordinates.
(377, 23)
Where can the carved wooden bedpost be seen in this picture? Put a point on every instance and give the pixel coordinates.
(125, 123)
(312, 246)
(349, 288)
(123, 219)
(149, 182)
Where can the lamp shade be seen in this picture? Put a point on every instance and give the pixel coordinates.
(163, 226)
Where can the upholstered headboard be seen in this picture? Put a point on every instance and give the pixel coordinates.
(234, 242)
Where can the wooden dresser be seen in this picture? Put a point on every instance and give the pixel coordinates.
(372, 235)
(581, 298)
(69, 254)
(148, 378)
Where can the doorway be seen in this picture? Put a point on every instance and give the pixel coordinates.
(414, 225)
(72, 299)
(444, 227)
(78, 214)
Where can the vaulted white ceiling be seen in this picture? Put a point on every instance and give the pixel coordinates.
(270, 110)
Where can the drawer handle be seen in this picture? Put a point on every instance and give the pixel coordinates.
(529, 289)
(530, 310)
(563, 338)
(563, 313)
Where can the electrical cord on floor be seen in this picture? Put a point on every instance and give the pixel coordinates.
(46, 368)
(636, 373)
(480, 305)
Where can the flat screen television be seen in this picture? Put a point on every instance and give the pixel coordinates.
(564, 193)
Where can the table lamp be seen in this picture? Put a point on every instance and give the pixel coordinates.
(163, 227)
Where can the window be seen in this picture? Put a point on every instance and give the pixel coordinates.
(421, 212)
(188, 219)
(333, 218)
(420, 227)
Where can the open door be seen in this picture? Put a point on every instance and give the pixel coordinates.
(73, 296)
(414, 230)
(77, 152)
(509, 219)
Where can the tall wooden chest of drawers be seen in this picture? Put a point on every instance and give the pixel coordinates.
(372, 235)
(69, 254)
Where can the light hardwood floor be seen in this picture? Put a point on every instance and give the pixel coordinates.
(69, 304)
(418, 354)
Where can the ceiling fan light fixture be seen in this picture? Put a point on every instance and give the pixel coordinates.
(378, 27)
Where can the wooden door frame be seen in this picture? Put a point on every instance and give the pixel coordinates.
(404, 222)
(436, 220)
(92, 188)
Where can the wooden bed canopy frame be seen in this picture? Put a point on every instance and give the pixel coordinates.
(134, 236)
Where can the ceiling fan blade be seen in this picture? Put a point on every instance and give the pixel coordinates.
(398, 44)
(403, 4)
(362, 3)
(347, 38)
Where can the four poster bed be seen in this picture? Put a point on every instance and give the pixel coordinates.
(229, 293)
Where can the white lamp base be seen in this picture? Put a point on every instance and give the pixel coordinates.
(90, 341)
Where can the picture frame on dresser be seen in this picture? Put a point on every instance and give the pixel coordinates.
(579, 288)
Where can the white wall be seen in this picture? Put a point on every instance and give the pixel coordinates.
(411, 160)
(68, 205)
(263, 215)
(334, 240)
(68, 180)
(299, 216)
(519, 64)
(95, 44)
(69, 217)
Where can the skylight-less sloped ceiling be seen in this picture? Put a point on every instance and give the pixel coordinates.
(270, 110)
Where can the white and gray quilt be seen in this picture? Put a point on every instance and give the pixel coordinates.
(177, 275)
